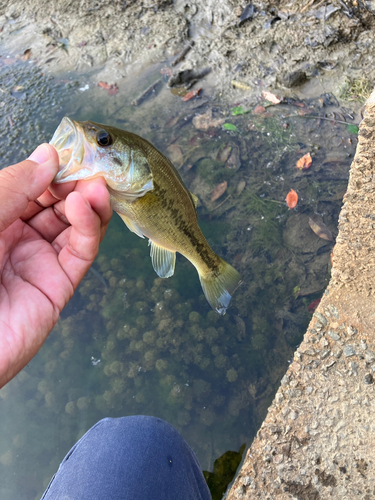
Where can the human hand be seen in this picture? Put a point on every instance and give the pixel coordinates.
(49, 237)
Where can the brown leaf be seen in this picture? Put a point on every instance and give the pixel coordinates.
(240, 187)
(259, 110)
(291, 199)
(321, 230)
(305, 162)
(26, 55)
(224, 152)
(270, 97)
(191, 94)
(113, 89)
(234, 161)
(175, 155)
(219, 190)
(205, 121)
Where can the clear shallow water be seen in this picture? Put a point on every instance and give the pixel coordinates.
(131, 343)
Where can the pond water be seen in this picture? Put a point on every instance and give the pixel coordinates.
(132, 343)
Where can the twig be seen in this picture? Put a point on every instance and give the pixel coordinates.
(145, 93)
(222, 203)
(325, 118)
(307, 6)
(275, 201)
(182, 54)
(320, 4)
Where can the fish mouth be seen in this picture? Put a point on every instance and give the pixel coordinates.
(75, 152)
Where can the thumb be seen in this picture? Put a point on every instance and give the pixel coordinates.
(25, 182)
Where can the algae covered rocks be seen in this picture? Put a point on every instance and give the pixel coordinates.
(149, 195)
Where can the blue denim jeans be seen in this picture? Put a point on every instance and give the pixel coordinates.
(129, 458)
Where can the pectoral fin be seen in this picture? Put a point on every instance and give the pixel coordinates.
(195, 199)
(163, 260)
(132, 226)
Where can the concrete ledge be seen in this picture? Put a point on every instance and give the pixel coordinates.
(318, 439)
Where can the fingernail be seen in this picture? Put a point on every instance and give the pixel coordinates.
(41, 154)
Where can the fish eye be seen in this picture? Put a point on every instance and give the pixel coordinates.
(103, 138)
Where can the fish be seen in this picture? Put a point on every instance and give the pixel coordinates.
(149, 195)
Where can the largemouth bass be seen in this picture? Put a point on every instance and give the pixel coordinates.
(148, 194)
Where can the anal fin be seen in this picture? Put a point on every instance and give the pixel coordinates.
(132, 226)
(163, 260)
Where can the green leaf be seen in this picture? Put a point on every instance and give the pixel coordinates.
(238, 110)
(353, 129)
(230, 126)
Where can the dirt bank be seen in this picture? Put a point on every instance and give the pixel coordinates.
(262, 44)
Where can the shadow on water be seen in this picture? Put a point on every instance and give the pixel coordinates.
(132, 343)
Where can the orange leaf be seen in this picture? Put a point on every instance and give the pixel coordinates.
(291, 199)
(219, 190)
(191, 94)
(271, 97)
(104, 85)
(305, 162)
(112, 89)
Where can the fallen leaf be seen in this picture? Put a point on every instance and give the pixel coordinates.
(112, 89)
(191, 94)
(353, 129)
(8, 60)
(219, 190)
(166, 71)
(238, 110)
(230, 126)
(205, 121)
(270, 97)
(104, 85)
(234, 161)
(81, 44)
(224, 152)
(305, 162)
(259, 110)
(291, 199)
(240, 187)
(175, 154)
(26, 55)
(314, 304)
(321, 230)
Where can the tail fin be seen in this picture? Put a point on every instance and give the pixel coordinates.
(219, 287)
